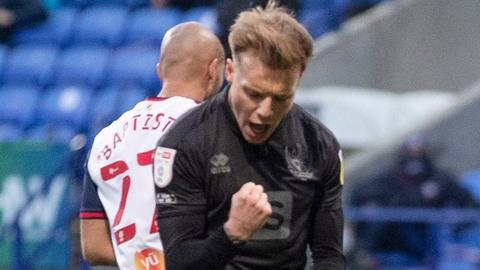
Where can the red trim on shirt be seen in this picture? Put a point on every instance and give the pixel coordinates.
(156, 98)
(145, 158)
(164, 98)
(93, 215)
(123, 200)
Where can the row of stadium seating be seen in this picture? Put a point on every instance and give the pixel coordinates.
(56, 114)
(92, 60)
(109, 25)
(116, 23)
(91, 66)
(127, 3)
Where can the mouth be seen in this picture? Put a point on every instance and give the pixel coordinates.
(259, 129)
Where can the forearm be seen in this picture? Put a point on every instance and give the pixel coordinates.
(96, 244)
(327, 244)
(214, 252)
(334, 261)
(99, 257)
(187, 246)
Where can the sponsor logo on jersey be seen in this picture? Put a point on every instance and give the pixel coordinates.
(278, 224)
(297, 161)
(163, 166)
(125, 234)
(166, 198)
(109, 171)
(149, 259)
(220, 164)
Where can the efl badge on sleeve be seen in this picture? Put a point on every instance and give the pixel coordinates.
(163, 166)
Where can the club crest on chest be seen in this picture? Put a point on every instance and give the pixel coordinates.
(298, 163)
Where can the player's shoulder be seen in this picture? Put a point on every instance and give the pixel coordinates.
(175, 105)
(194, 124)
(117, 127)
(108, 130)
(311, 122)
(311, 126)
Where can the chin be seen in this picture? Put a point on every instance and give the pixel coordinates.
(252, 140)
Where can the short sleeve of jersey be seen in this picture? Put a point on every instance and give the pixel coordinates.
(333, 176)
(91, 206)
(185, 194)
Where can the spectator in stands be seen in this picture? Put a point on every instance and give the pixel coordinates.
(15, 14)
(414, 182)
(229, 9)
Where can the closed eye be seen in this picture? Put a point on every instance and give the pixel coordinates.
(253, 94)
(282, 98)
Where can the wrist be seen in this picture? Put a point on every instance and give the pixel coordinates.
(235, 237)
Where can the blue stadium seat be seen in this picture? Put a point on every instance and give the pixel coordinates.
(148, 25)
(3, 59)
(75, 3)
(82, 66)
(137, 3)
(104, 2)
(9, 132)
(131, 95)
(52, 133)
(87, 3)
(348, 8)
(19, 104)
(471, 181)
(104, 109)
(134, 66)
(319, 21)
(207, 16)
(111, 102)
(100, 25)
(57, 30)
(66, 105)
(315, 4)
(32, 64)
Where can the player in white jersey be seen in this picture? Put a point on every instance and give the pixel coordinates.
(118, 226)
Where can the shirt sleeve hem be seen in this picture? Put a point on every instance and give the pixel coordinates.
(93, 215)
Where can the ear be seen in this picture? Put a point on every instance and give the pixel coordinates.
(229, 70)
(158, 69)
(212, 75)
(212, 69)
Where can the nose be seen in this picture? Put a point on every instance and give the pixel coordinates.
(265, 108)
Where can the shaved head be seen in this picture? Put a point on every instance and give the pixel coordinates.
(187, 49)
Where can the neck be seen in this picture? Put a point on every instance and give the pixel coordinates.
(189, 90)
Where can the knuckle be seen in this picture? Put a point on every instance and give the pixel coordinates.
(268, 209)
(242, 197)
(248, 185)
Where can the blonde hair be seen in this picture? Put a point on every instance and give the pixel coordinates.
(274, 35)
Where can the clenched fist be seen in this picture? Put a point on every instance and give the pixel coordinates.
(249, 211)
